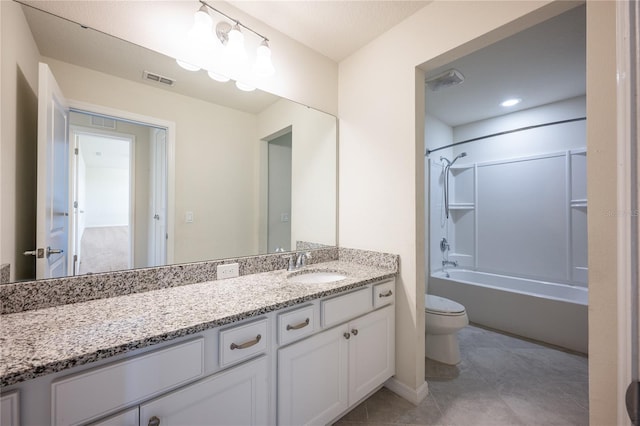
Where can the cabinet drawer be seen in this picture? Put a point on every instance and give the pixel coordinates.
(296, 324)
(384, 294)
(131, 417)
(243, 341)
(96, 393)
(342, 308)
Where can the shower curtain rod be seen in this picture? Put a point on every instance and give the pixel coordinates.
(506, 132)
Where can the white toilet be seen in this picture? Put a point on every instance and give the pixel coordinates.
(443, 319)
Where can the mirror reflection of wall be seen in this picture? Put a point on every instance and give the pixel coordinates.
(215, 199)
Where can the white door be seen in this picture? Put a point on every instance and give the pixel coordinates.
(312, 379)
(371, 352)
(52, 217)
(238, 396)
(158, 229)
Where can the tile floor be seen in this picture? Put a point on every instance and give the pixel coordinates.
(501, 380)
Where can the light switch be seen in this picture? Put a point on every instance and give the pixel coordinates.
(188, 217)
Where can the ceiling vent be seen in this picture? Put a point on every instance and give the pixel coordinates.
(158, 78)
(451, 77)
(104, 122)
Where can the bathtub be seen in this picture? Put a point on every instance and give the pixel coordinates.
(547, 312)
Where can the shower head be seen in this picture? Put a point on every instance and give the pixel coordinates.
(463, 154)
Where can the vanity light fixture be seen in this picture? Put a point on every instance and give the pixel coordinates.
(511, 102)
(229, 42)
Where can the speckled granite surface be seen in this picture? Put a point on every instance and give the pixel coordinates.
(5, 273)
(38, 342)
(30, 295)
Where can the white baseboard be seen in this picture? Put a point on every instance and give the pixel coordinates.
(414, 396)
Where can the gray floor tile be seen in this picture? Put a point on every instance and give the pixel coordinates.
(501, 380)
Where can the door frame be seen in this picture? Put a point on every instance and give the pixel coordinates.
(628, 265)
(170, 127)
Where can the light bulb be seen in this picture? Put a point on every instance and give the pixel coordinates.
(218, 77)
(235, 47)
(202, 18)
(263, 66)
(201, 32)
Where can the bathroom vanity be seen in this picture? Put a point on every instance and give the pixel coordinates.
(258, 349)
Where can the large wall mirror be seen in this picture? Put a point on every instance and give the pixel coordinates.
(187, 171)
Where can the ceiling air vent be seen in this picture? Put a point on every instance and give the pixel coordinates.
(158, 78)
(105, 122)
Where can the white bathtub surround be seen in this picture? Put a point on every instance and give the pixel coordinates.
(549, 312)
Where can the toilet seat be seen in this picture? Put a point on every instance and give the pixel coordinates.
(442, 306)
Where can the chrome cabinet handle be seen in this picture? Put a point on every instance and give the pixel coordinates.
(387, 294)
(154, 421)
(347, 336)
(303, 324)
(248, 344)
(354, 331)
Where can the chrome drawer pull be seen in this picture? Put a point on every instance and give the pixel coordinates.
(154, 421)
(248, 344)
(387, 294)
(298, 326)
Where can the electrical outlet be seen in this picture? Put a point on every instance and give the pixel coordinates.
(229, 270)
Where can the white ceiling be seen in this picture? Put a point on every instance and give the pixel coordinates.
(543, 64)
(335, 28)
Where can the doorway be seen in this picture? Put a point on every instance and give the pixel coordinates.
(120, 193)
(279, 193)
(105, 174)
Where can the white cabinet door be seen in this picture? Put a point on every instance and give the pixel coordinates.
(237, 396)
(312, 379)
(9, 409)
(371, 352)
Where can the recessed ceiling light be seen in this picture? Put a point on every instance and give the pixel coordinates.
(511, 102)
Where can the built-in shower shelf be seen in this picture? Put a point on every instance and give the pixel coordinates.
(462, 206)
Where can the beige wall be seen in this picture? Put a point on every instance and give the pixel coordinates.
(18, 140)
(313, 177)
(302, 74)
(215, 157)
(602, 169)
(382, 136)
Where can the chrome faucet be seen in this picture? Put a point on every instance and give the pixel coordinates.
(453, 263)
(297, 260)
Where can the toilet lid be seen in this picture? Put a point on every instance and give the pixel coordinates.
(437, 304)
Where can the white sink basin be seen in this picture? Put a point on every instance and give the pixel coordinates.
(317, 277)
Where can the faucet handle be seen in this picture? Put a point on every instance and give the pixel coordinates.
(304, 257)
(292, 261)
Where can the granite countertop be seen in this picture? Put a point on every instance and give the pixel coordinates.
(39, 342)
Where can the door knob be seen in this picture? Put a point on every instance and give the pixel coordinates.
(39, 253)
(51, 251)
